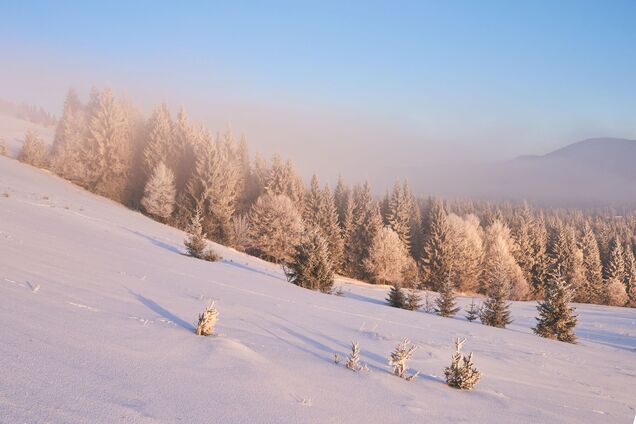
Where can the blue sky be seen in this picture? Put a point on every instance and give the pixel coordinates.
(489, 79)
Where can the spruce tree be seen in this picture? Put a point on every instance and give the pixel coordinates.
(399, 207)
(592, 292)
(461, 374)
(400, 357)
(159, 193)
(556, 318)
(436, 257)
(367, 223)
(195, 242)
(328, 219)
(413, 300)
(109, 151)
(445, 304)
(69, 143)
(310, 266)
(396, 297)
(495, 311)
(614, 292)
(160, 145)
(629, 278)
(472, 311)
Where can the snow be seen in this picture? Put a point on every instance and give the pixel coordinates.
(97, 314)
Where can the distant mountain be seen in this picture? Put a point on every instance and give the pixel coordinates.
(593, 172)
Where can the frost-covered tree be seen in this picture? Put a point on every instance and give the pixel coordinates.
(195, 241)
(556, 318)
(353, 361)
(275, 227)
(445, 304)
(498, 256)
(615, 293)
(436, 258)
(413, 300)
(400, 357)
(282, 178)
(398, 216)
(495, 311)
(185, 141)
(212, 188)
(160, 145)
(396, 297)
(367, 224)
(241, 232)
(387, 258)
(207, 320)
(416, 234)
(472, 311)
(629, 278)
(592, 289)
(34, 151)
(461, 374)
(160, 192)
(465, 251)
(310, 266)
(69, 143)
(109, 152)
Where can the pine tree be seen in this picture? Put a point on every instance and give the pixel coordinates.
(556, 318)
(413, 300)
(416, 235)
(461, 374)
(159, 194)
(275, 227)
(328, 219)
(472, 311)
(310, 266)
(195, 242)
(396, 297)
(399, 206)
(367, 223)
(445, 304)
(400, 357)
(207, 320)
(34, 151)
(496, 310)
(109, 152)
(69, 143)
(160, 146)
(436, 258)
(630, 274)
(615, 294)
(592, 292)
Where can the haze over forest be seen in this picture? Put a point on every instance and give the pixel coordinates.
(427, 92)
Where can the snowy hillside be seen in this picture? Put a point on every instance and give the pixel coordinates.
(12, 130)
(96, 326)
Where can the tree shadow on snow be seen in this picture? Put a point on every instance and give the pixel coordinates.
(356, 296)
(157, 242)
(250, 269)
(163, 312)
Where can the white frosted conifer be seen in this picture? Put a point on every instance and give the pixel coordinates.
(159, 193)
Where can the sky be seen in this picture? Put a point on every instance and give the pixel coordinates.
(372, 90)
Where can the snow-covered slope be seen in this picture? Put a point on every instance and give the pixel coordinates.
(12, 130)
(96, 310)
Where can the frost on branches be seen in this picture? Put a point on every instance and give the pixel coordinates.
(207, 320)
(353, 361)
(399, 359)
(159, 193)
(556, 318)
(310, 266)
(461, 373)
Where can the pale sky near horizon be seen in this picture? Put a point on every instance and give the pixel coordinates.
(377, 90)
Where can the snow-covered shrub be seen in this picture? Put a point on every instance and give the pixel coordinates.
(310, 266)
(34, 151)
(461, 373)
(159, 193)
(195, 242)
(353, 361)
(399, 359)
(556, 318)
(207, 320)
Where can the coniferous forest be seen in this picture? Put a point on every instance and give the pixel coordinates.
(172, 169)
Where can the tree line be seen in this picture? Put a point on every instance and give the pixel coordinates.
(175, 170)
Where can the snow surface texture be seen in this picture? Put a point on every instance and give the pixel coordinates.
(97, 314)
